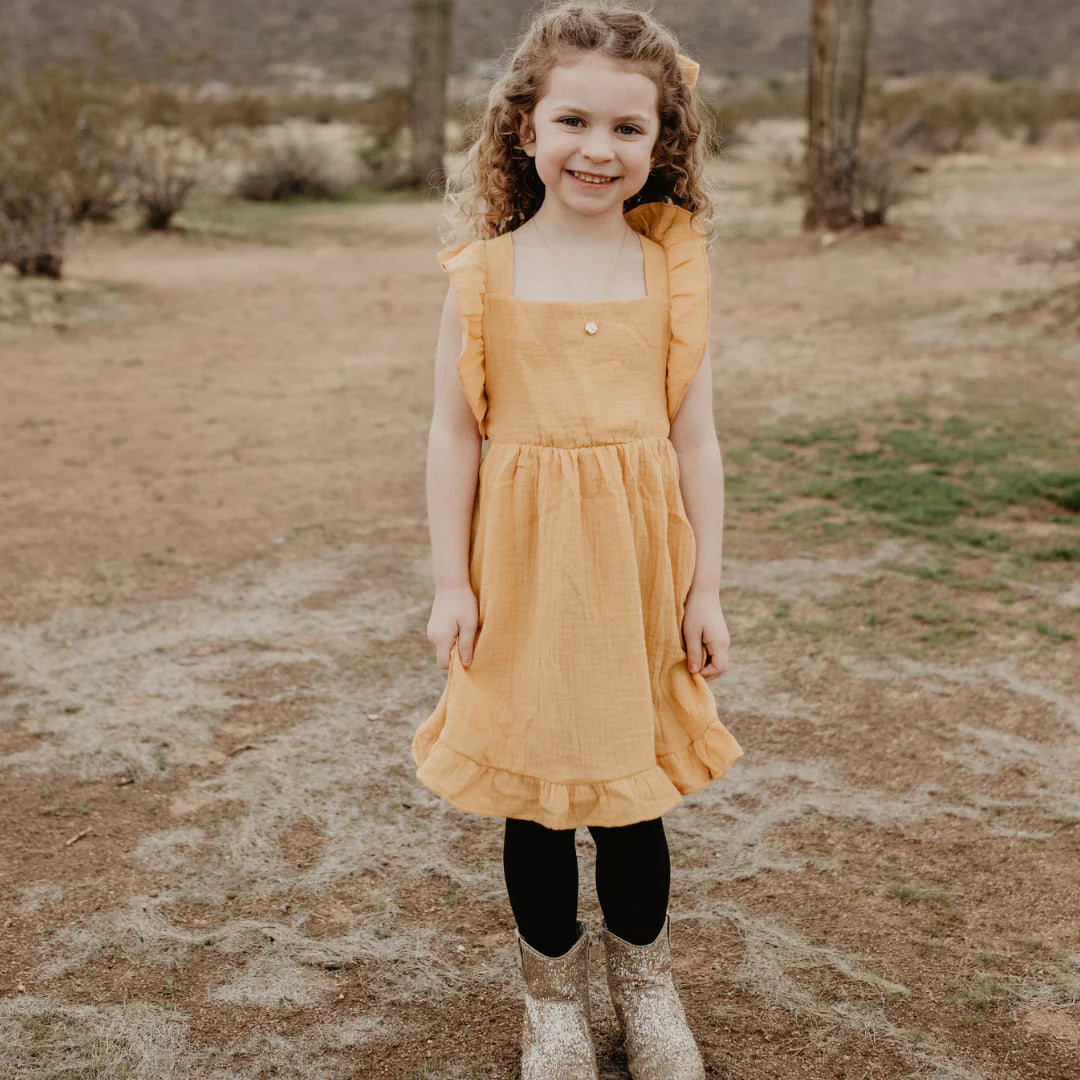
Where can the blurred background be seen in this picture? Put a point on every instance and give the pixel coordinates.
(150, 107)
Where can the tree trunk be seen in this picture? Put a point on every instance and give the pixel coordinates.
(839, 35)
(430, 67)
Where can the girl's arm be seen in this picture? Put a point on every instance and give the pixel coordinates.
(701, 480)
(453, 460)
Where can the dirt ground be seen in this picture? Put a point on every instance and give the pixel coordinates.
(214, 587)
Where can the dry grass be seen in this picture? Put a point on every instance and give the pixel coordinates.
(43, 1039)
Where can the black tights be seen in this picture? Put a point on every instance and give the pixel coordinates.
(633, 878)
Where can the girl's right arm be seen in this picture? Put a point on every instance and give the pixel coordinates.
(453, 462)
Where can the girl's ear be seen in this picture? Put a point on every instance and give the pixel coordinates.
(526, 136)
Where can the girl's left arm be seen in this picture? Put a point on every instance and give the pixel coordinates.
(701, 480)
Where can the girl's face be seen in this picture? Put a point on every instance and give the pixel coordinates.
(592, 134)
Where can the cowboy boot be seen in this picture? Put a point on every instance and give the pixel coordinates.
(556, 1043)
(658, 1042)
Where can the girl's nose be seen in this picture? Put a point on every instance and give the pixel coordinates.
(597, 148)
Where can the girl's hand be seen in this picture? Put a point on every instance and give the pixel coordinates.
(454, 616)
(705, 630)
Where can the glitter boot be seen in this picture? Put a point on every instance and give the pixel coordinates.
(556, 1043)
(658, 1042)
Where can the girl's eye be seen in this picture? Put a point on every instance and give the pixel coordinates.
(625, 129)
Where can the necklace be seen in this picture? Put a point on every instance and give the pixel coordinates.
(591, 326)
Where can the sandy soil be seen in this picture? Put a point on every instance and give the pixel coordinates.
(214, 585)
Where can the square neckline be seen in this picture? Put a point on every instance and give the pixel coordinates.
(651, 282)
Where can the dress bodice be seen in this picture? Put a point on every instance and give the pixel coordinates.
(550, 382)
(533, 375)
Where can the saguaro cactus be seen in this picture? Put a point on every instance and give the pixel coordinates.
(839, 35)
(430, 67)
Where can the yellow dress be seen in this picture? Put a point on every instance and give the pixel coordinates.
(578, 707)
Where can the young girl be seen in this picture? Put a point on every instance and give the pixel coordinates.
(577, 563)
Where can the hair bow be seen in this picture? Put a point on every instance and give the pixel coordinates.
(688, 69)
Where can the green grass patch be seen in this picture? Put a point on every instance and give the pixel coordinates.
(933, 946)
(1052, 632)
(1058, 553)
(942, 613)
(935, 479)
(945, 574)
(807, 515)
(948, 635)
(276, 223)
(982, 992)
(818, 629)
(943, 912)
(905, 889)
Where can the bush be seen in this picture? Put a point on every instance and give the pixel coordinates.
(58, 160)
(942, 114)
(881, 176)
(99, 178)
(292, 161)
(247, 108)
(384, 158)
(939, 117)
(166, 165)
(214, 106)
(32, 220)
(385, 113)
(1030, 108)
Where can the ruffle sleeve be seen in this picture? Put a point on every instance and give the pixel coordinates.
(689, 290)
(466, 263)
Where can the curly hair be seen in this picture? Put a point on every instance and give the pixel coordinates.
(499, 188)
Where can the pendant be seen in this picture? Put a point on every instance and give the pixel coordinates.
(591, 328)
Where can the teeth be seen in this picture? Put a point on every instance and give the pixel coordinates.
(592, 179)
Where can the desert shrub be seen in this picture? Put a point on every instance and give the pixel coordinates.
(60, 158)
(33, 217)
(942, 114)
(789, 180)
(291, 160)
(938, 116)
(166, 165)
(318, 108)
(99, 179)
(248, 108)
(202, 111)
(1030, 107)
(728, 111)
(883, 171)
(385, 112)
(159, 106)
(384, 157)
(214, 106)
(324, 107)
(80, 114)
(882, 175)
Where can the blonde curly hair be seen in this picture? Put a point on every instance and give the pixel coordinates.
(498, 187)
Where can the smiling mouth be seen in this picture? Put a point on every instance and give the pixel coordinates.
(592, 178)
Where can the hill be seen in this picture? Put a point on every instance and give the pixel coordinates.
(241, 40)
